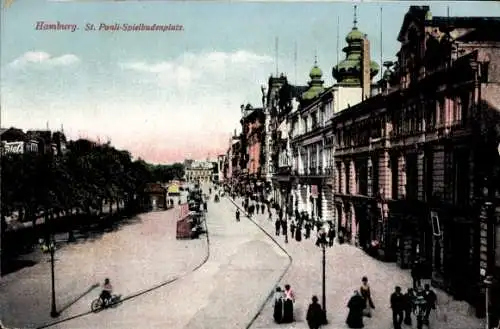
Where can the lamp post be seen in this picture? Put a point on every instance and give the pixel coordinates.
(49, 246)
(488, 282)
(322, 243)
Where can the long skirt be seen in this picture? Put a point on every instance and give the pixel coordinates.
(288, 311)
(278, 311)
(355, 319)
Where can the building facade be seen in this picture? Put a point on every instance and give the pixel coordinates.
(416, 167)
(199, 172)
(252, 140)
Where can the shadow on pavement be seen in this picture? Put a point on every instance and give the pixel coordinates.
(68, 305)
(13, 265)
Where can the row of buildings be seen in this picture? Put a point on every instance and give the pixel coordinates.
(16, 141)
(409, 164)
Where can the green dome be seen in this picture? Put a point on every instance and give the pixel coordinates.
(315, 85)
(315, 72)
(354, 36)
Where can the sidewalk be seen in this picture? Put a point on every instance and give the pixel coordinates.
(137, 256)
(346, 265)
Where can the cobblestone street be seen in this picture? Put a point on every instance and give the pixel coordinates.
(346, 265)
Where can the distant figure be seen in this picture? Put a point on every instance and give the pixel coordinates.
(315, 315)
(288, 305)
(355, 317)
(409, 301)
(367, 296)
(431, 300)
(416, 275)
(277, 225)
(257, 208)
(397, 305)
(279, 298)
(237, 214)
(262, 208)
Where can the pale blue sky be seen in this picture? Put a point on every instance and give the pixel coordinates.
(170, 95)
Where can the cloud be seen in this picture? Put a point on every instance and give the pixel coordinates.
(208, 72)
(43, 58)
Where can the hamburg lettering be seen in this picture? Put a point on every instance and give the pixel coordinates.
(55, 26)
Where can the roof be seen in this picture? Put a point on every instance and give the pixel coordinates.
(464, 22)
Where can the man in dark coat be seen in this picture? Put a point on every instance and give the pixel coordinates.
(292, 228)
(431, 299)
(416, 274)
(331, 236)
(315, 315)
(237, 214)
(262, 208)
(277, 224)
(397, 306)
(257, 208)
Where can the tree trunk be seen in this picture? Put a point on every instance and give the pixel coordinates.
(110, 207)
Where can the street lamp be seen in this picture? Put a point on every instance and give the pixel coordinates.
(488, 283)
(49, 246)
(322, 243)
(419, 310)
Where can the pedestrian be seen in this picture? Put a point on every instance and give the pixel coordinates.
(431, 300)
(284, 227)
(277, 224)
(298, 233)
(288, 304)
(356, 305)
(292, 228)
(257, 207)
(367, 296)
(409, 302)
(281, 213)
(270, 215)
(331, 235)
(237, 214)
(307, 227)
(315, 315)
(397, 306)
(416, 275)
(279, 298)
(262, 208)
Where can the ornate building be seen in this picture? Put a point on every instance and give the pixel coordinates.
(417, 166)
(199, 171)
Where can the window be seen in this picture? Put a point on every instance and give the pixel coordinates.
(441, 111)
(314, 120)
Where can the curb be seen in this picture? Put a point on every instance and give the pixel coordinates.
(144, 291)
(290, 260)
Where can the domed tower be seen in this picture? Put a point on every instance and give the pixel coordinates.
(315, 84)
(350, 70)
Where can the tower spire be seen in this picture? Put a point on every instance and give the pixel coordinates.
(355, 22)
(315, 57)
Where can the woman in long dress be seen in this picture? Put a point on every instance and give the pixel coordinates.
(355, 317)
(367, 296)
(278, 305)
(288, 304)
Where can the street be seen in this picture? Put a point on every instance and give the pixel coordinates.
(225, 292)
(346, 265)
(137, 256)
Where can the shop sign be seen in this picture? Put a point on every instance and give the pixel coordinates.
(14, 147)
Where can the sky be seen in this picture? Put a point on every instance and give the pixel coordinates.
(170, 95)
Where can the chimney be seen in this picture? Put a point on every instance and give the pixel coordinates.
(365, 68)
